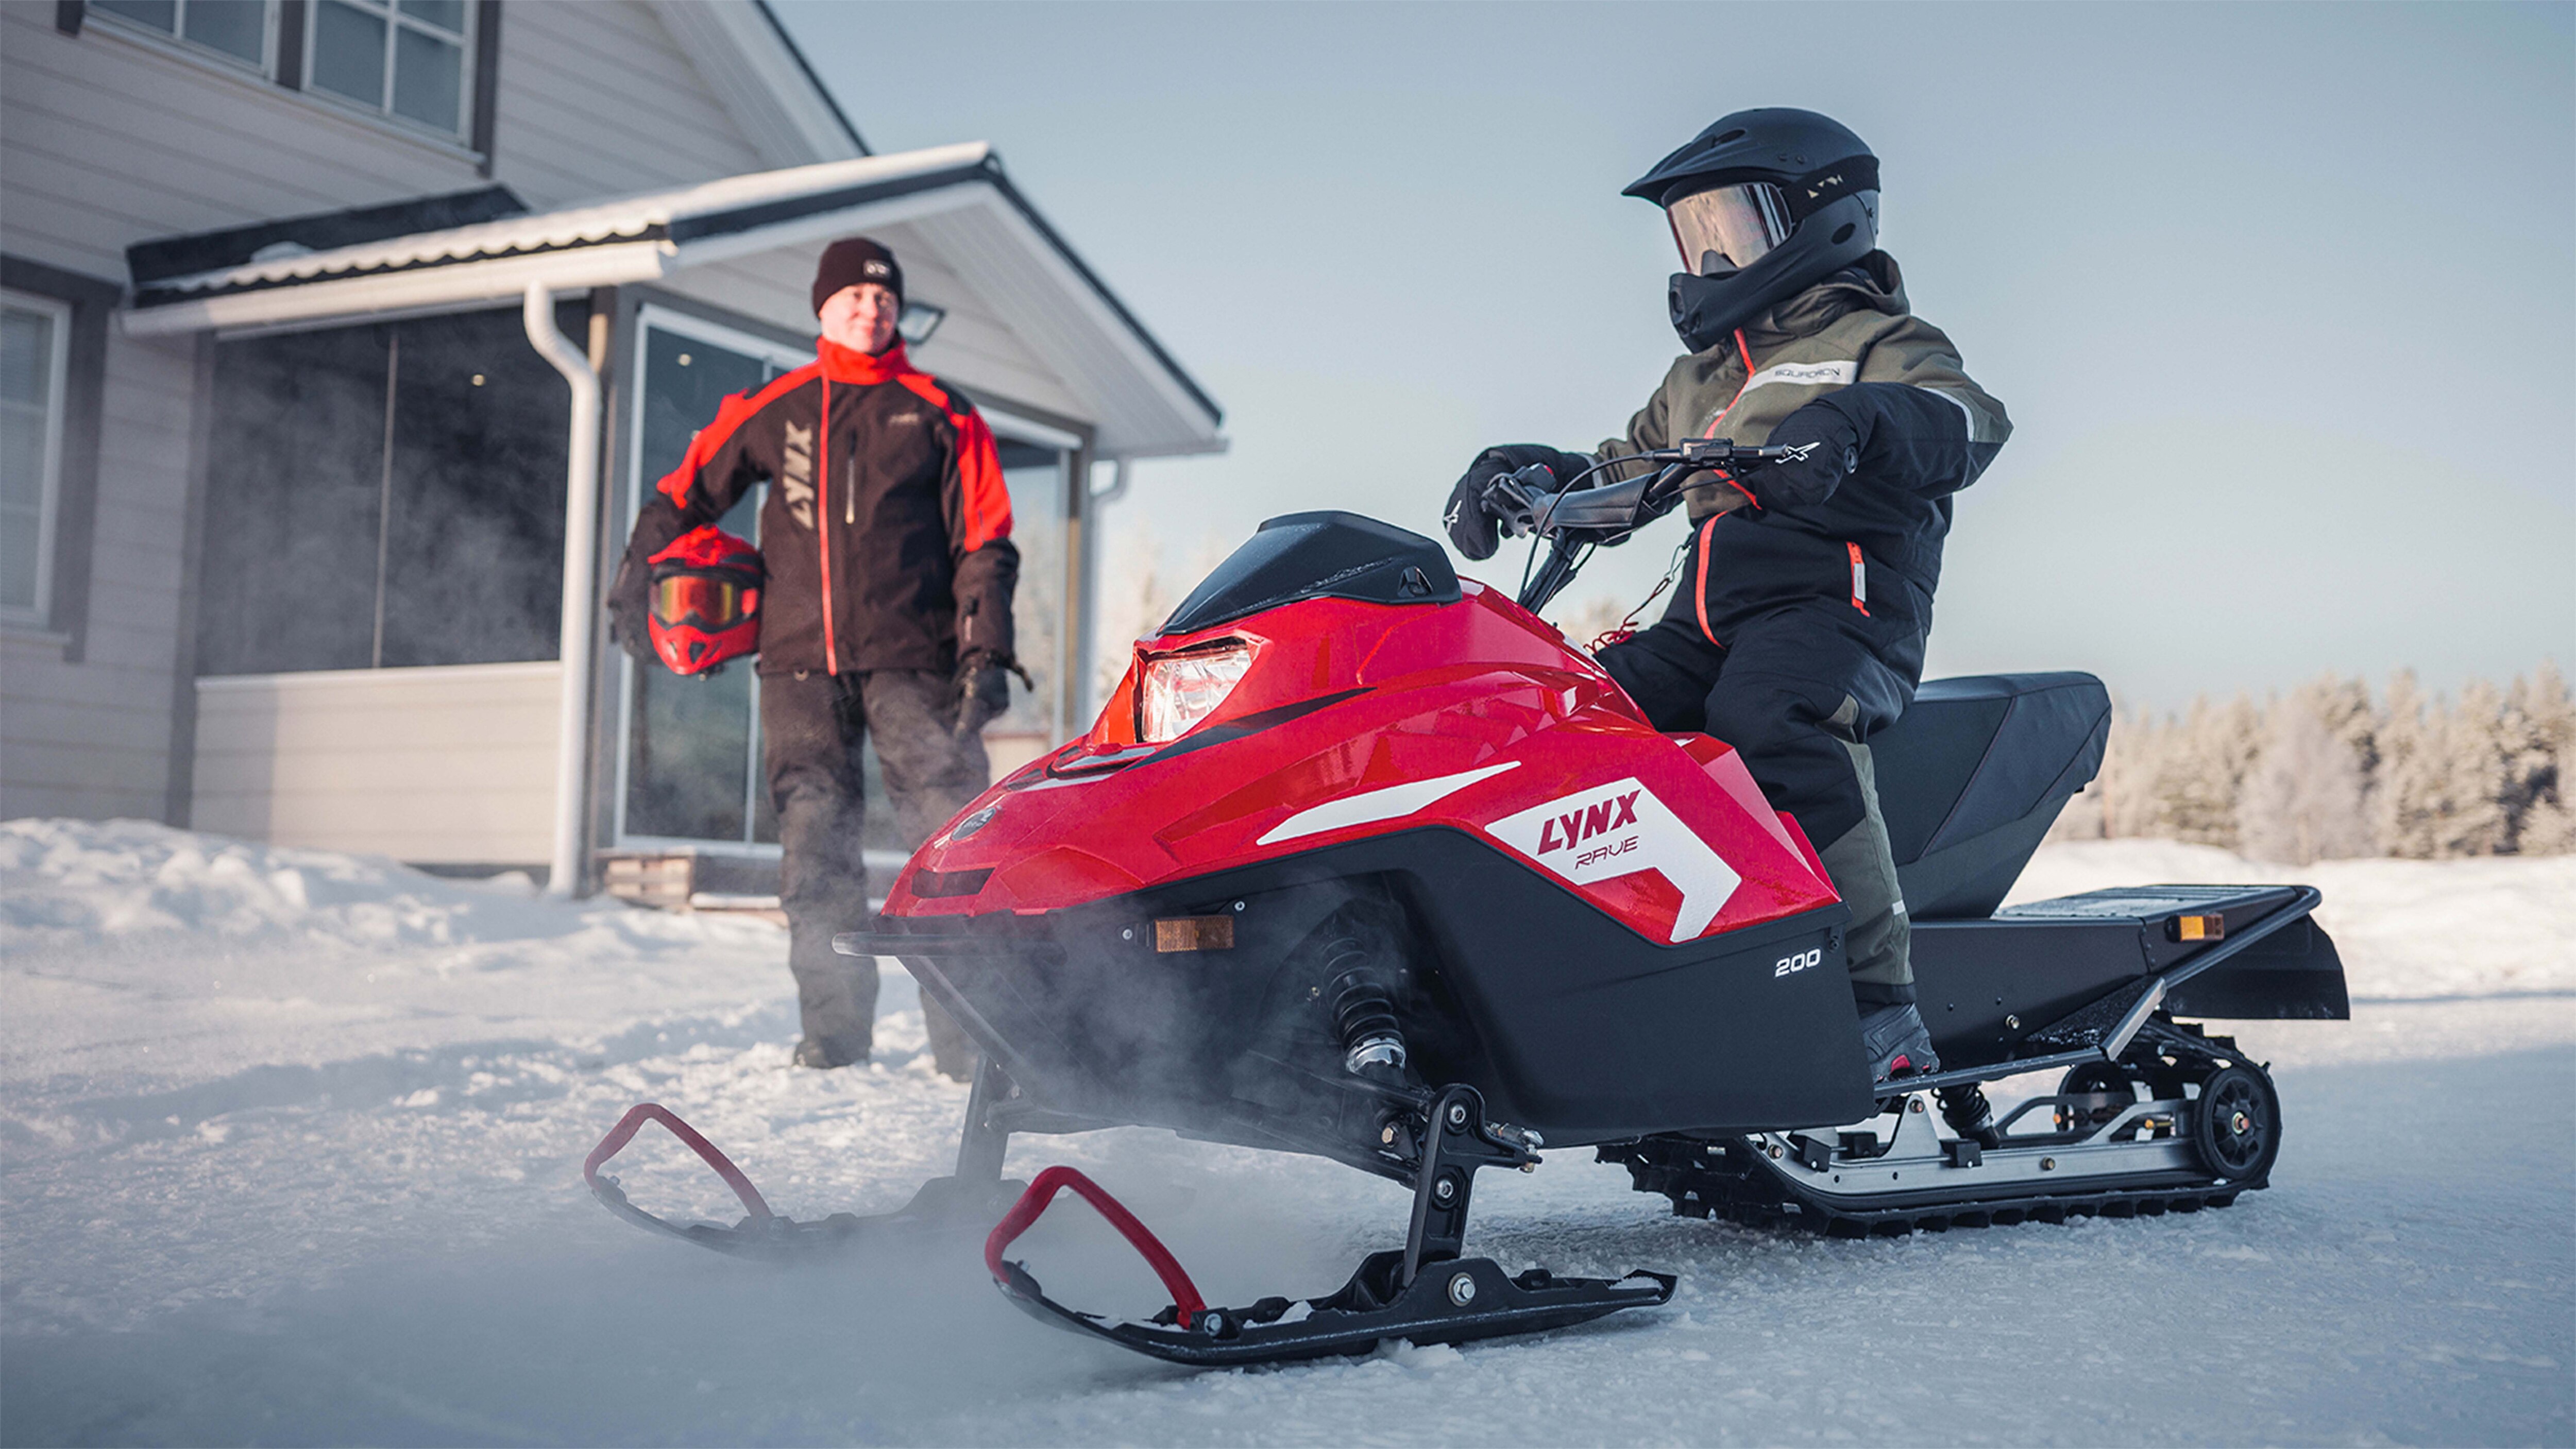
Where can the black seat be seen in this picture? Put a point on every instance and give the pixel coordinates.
(1973, 776)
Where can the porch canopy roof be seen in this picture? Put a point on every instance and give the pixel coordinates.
(955, 198)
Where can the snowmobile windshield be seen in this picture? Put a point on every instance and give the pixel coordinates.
(1317, 556)
(1728, 228)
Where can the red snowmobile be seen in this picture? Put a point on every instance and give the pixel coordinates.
(1365, 861)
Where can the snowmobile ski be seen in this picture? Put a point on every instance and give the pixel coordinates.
(943, 1204)
(1423, 1292)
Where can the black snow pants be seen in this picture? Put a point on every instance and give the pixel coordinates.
(1798, 689)
(813, 730)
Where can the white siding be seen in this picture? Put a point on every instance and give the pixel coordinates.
(432, 765)
(111, 141)
(106, 141)
(93, 738)
(598, 100)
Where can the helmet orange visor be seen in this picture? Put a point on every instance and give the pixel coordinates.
(709, 603)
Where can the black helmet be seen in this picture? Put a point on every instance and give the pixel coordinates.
(1764, 204)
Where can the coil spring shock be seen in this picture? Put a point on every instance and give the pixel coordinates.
(1362, 1001)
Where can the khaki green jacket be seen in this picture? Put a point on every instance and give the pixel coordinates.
(1852, 327)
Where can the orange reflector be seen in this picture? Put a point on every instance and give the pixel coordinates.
(2200, 928)
(1195, 933)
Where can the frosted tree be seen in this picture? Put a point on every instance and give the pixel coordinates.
(2538, 737)
(2200, 774)
(1138, 591)
(2407, 781)
(2303, 799)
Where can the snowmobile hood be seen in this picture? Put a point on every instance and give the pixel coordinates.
(1356, 719)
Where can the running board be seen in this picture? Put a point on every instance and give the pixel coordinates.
(2135, 1164)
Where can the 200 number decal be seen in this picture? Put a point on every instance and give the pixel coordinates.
(1799, 962)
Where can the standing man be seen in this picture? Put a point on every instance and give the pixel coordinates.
(887, 541)
(1806, 593)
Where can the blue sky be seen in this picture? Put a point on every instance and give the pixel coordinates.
(2282, 299)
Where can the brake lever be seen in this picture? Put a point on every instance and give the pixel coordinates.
(1517, 499)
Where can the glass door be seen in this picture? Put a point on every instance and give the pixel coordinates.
(688, 768)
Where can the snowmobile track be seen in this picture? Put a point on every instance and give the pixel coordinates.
(1721, 1180)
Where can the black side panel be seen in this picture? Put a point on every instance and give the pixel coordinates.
(1567, 1021)
(1972, 776)
(1326, 555)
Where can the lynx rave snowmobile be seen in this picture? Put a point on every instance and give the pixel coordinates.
(1365, 861)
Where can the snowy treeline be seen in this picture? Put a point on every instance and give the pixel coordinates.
(2327, 770)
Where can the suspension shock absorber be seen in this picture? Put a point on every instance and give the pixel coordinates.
(1360, 993)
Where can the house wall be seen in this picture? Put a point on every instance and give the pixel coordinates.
(106, 140)
(450, 765)
(93, 738)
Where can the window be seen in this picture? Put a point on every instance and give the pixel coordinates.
(234, 28)
(34, 335)
(385, 496)
(403, 58)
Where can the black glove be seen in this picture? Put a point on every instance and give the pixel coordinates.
(1833, 451)
(1471, 528)
(983, 690)
(630, 605)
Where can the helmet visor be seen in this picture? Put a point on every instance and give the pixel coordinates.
(705, 602)
(1728, 228)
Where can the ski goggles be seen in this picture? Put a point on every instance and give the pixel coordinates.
(710, 603)
(1728, 228)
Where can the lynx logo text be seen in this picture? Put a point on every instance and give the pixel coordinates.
(1798, 962)
(1606, 831)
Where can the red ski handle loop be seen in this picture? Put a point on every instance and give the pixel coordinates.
(633, 1122)
(1041, 1193)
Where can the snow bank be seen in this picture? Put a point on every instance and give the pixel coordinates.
(74, 883)
(160, 955)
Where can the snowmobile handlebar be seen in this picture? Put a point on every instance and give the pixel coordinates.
(1570, 516)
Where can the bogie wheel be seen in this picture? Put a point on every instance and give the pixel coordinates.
(2236, 1124)
(2102, 1091)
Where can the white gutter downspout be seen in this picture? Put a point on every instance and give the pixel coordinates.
(580, 583)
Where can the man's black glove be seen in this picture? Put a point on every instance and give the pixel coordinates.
(984, 690)
(1473, 529)
(630, 605)
(1833, 451)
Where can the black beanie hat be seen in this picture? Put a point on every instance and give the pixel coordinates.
(851, 261)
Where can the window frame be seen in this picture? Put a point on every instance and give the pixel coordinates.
(469, 71)
(175, 40)
(38, 615)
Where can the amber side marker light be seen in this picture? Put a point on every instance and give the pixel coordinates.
(1195, 933)
(2200, 928)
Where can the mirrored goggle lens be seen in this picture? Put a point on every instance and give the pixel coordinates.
(710, 603)
(1728, 226)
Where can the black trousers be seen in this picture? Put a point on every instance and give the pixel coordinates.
(814, 728)
(1798, 690)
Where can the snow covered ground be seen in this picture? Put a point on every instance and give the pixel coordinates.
(290, 1144)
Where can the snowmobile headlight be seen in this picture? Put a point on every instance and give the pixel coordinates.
(1179, 690)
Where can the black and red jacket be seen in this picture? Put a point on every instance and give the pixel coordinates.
(887, 532)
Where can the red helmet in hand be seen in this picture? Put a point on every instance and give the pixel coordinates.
(706, 600)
